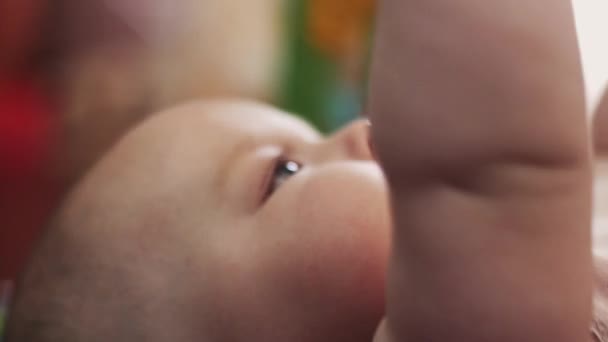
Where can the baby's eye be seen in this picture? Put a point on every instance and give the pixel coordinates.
(283, 169)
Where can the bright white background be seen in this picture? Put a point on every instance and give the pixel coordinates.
(592, 24)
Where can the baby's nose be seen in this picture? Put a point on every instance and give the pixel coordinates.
(354, 140)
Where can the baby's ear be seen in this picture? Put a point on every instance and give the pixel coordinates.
(600, 126)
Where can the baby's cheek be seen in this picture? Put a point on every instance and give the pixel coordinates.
(342, 223)
(319, 250)
(348, 199)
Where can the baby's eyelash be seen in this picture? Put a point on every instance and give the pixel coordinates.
(287, 167)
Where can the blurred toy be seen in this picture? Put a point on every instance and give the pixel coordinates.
(327, 51)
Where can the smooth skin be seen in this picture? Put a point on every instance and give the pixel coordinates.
(479, 123)
(174, 236)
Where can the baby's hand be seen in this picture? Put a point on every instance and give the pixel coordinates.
(478, 119)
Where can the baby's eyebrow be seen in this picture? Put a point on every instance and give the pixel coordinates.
(226, 164)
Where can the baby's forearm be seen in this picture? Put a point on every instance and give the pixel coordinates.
(460, 83)
(478, 120)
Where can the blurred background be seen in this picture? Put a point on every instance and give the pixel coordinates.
(76, 74)
(592, 24)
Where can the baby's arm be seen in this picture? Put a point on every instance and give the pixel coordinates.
(478, 120)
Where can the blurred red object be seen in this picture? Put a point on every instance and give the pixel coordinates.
(29, 189)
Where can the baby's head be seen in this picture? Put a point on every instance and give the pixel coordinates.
(216, 221)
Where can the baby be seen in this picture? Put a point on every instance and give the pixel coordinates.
(468, 219)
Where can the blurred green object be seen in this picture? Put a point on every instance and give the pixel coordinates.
(319, 85)
(2, 319)
(6, 289)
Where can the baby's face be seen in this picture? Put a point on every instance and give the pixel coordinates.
(275, 231)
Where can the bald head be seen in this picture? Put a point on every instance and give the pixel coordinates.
(107, 268)
(189, 229)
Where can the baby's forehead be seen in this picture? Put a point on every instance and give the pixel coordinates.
(234, 117)
(210, 129)
(186, 146)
